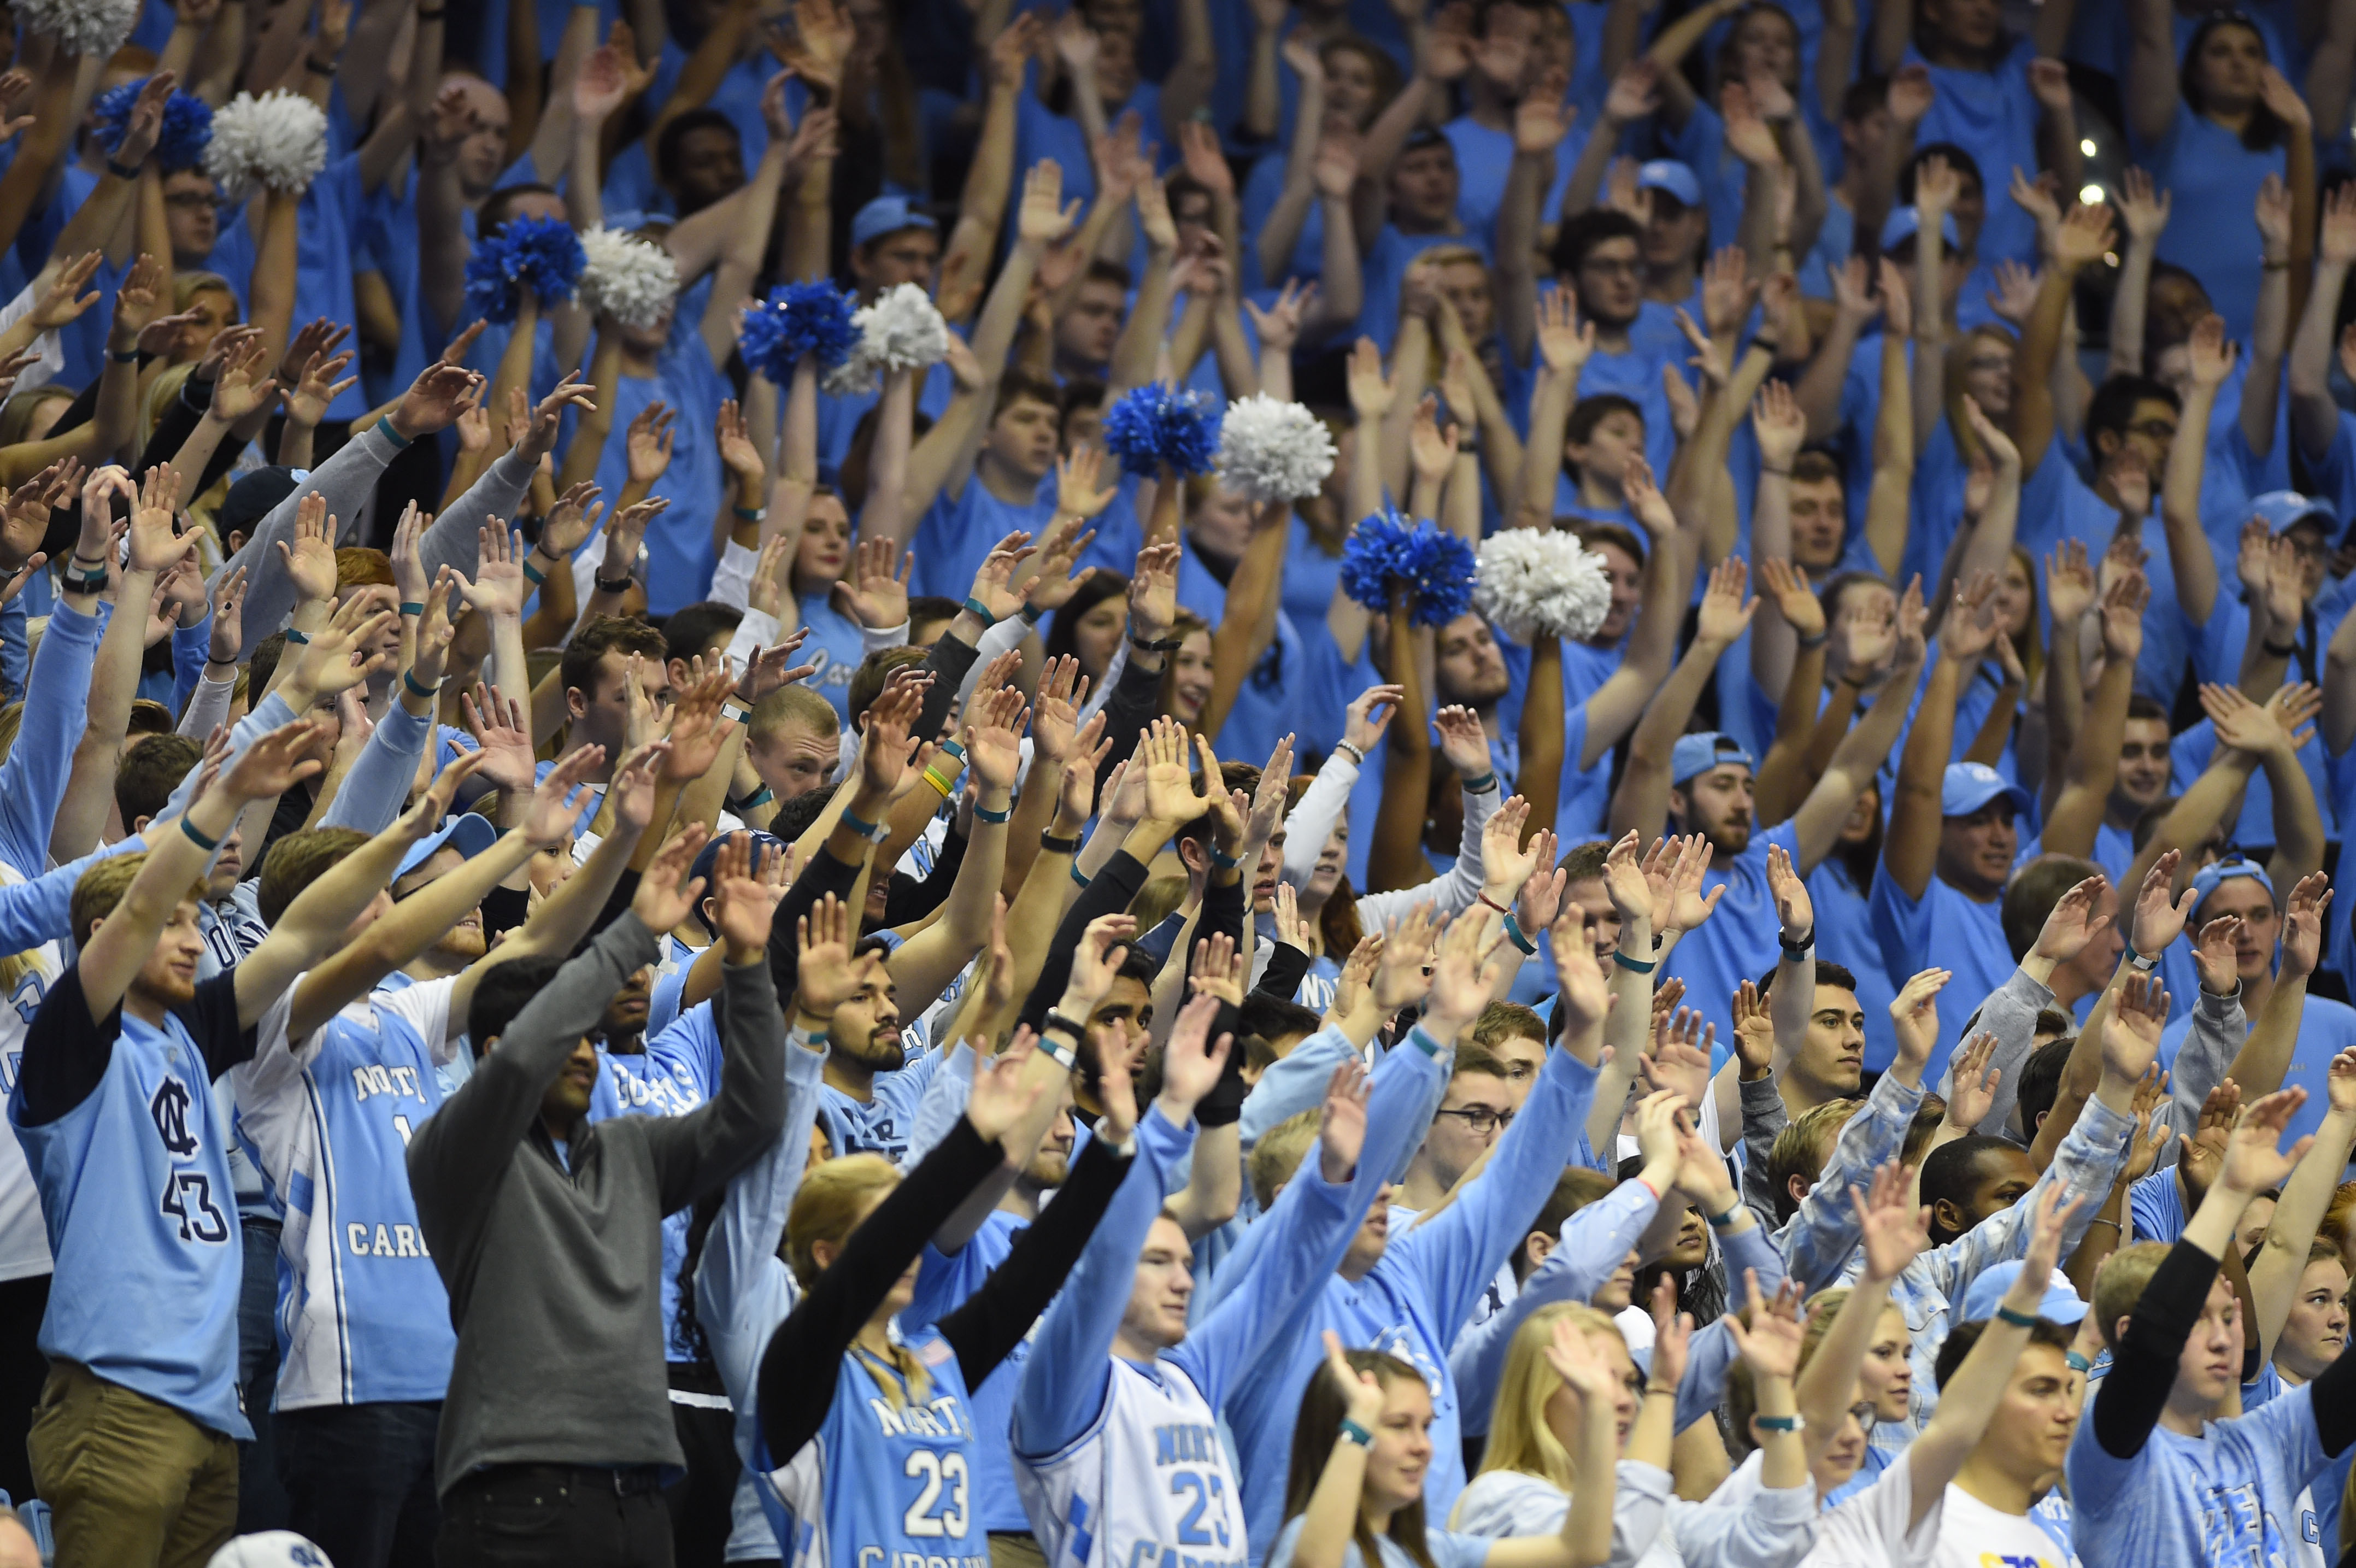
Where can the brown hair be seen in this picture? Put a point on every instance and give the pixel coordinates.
(794, 704)
(298, 860)
(603, 635)
(1279, 1153)
(833, 1202)
(1801, 1147)
(1323, 1405)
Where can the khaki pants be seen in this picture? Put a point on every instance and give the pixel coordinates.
(1015, 1551)
(131, 1483)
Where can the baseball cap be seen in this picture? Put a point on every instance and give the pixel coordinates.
(1971, 785)
(254, 498)
(1903, 224)
(2061, 1304)
(468, 833)
(271, 1549)
(709, 857)
(2283, 510)
(1668, 174)
(1701, 752)
(888, 215)
(2206, 880)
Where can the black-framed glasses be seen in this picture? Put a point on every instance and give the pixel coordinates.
(1479, 1119)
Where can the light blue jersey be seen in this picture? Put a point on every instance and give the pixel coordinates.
(134, 1189)
(679, 1071)
(889, 1477)
(362, 1314)
(943, 1283)
(880, 1126)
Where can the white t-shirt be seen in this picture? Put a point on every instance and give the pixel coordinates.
(1959, 1532)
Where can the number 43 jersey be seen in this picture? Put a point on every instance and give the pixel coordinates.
(1148, 1486)
(888, 1482)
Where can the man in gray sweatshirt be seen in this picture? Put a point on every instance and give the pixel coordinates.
(557, 1435)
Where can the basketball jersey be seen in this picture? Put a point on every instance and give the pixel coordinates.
(23, 1241)
(1148, 1484)
(678, 1071)
(134, 1189)
(362, 1314)
(883, 1486)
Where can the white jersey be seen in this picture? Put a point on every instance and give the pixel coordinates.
(1148, 1486)
(24, 1235)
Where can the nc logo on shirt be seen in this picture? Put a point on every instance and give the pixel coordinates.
(26, 1001)
(170, 1110)
(1397, 1342)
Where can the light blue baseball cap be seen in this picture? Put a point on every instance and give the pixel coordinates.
(2208, 878)
(1700, 752)
(1968, 786)
(1904, 223)
(468, 833)
(2285, 510)
(2061, 1303)
(888, 215)
(1668, 174)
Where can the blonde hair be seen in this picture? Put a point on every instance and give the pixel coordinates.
(832, 1201)
(2120, 1284)
(1279, 1153)
(1519, 1438)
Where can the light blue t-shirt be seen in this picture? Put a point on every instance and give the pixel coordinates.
(2229, 1496)
(955, 537)
(2212, 180)
(1944, 928)
(2324, 1029)
(1737, 943)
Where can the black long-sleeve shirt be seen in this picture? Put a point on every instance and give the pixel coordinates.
(797, 1382)
(2143, 1371)
(823, 874)
(1113, 889)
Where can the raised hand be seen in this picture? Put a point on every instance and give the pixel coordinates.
(2212, 954)
(1794, 910)
(2132, 1028)
(557, 804)
(2072, 925)
(825, 976)
(309, 557)
(1974, 1081)
(873, 592)
(1399, 979)
(1892, 1230)
(663, 901)
(275, 763)
(648, 444)
(1096, 961)
(1914, 1016)
(2302, 931)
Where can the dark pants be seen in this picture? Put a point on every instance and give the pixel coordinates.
(260, 1497)
(701, 1502)
(563, 1516)
(23, 1369)
(359, 1481)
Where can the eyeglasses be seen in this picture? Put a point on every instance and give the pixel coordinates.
(1611, 266)
(1480, 1119)
(2157, 429)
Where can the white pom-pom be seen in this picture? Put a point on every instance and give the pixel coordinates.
(90, 28)
(276, 142)
(1272, 451)
(1535, 581)
(625, 277)
(902, 330)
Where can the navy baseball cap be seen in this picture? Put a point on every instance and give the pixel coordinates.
(1701, 752)
(888, 215)
(1968, 786)
(2285, 510)
(2207, 880)
(709, 855)
(1676, 179)
(1904, 223)
(2061, 1304)
(468, 833)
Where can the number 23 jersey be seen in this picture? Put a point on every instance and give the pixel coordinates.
(1149, 1483)
(889, 1478)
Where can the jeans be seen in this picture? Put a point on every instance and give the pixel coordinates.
(359, 1481)
(261, 1498)
(558, 1516)
(23, 1303)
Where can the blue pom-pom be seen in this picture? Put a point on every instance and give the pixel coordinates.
(179, 144)
(798, 319)
(1437, 566)
(1156, 424)
(541, 255)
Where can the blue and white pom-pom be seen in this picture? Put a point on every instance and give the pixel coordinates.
(1435, 565)
(798, 319)
(277, 142)
(88, 27)
(1150, 426)
(1273, 451)
(902, 330)
(186, 130)
(632, 280)
(1536, 582)
(541, 255)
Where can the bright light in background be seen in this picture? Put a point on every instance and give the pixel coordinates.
(2086, 145)
(2090, 195)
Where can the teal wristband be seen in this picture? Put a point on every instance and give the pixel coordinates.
(202, 842)
(953, 749)
(984, 814)
(976, 607)
(384, 425)
(1513, 935)
(751, 513)
(426, 694)
(1482, 785)
(756, 800)
(2017, 1319)
(532, 575)
(1778, 1422)
(1423, 1039)
(1221, 859)
(865, 830)
(2078, 1363)
(1635, 965)
(294, 636)
(1078, 879)
(1351, 1431)
(411, 607)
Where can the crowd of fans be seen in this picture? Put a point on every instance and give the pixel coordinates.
(1184, 784)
